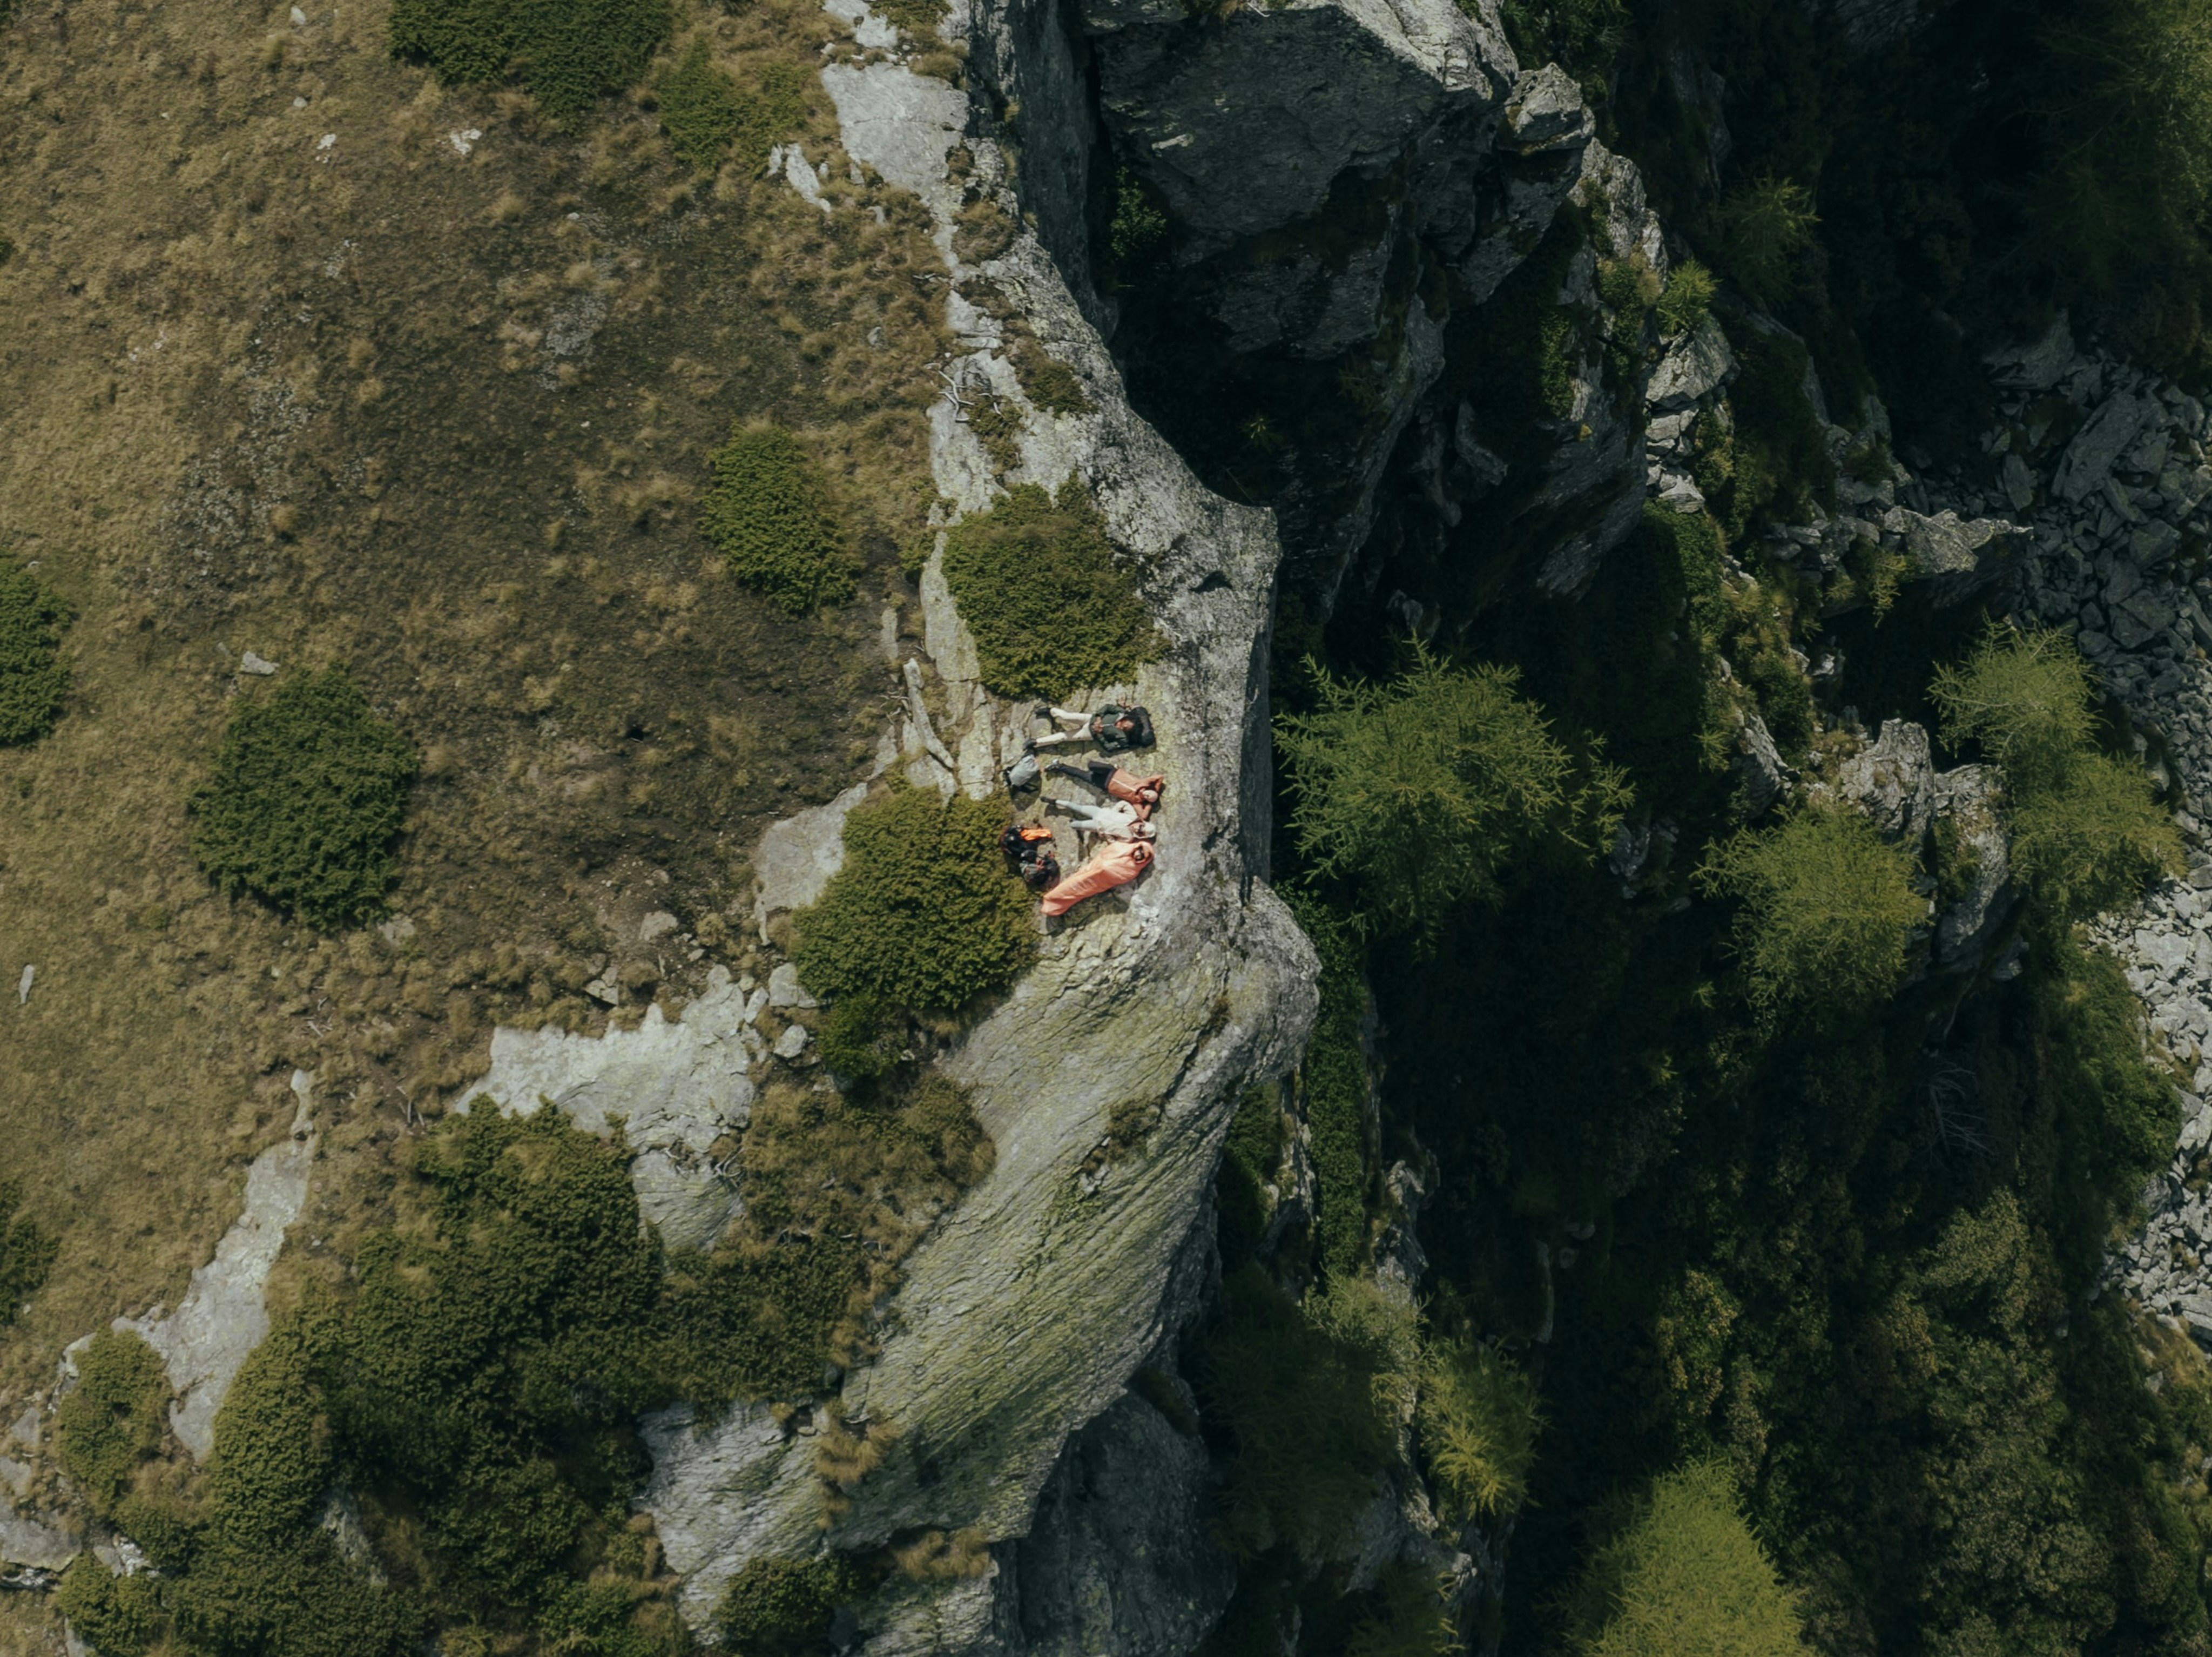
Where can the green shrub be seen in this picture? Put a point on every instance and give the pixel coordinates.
(309, 792)
(782, 1607)
(1411, 1617)
(1478, 1422)
(1300, 1407)
(707, 114)
(171, 1529)
(113, 1418)
(301, 1599)
(272, 1461)
(33, 679)
(923, 915)
(1828, 912)
(861, 1037)
(26, 1255)
(2086, 830)
(117, 1616)
(1139, 222)
(770, 513)
(1683, 1573)
(1251, 1159)
(1688, 299)
(1426, 791)
(917, 17)
(1333, 1088)
(568, 53)
(1053, 603)
(1765, 225)
(1050, 383)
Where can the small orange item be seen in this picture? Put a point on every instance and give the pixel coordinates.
(1123, 786)
(1117, 863)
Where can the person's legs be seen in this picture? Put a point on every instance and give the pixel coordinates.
(1060, 738)
(1061, 768)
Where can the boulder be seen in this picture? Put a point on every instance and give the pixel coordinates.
(1695, 366)
(1893, 782)
(2104, 438)
(1965, 800)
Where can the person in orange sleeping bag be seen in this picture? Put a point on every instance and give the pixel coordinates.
(1117, 863)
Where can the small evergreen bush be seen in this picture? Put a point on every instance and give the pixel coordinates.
(26, 1255)
(923, 915)
(1334, 1086)
(2087, 830)
(1426, 791)
(116, 1615)
(861, 1037)
(272, 1460)
(1138, 223)
(1688, 299)
(782, 1607)
(707, 114)
(1828, 910)
(113, 1418)
(1053, 603)
(309, 792)
(568, 53)
(33, 679)
(1765, 225)
(1683, 1573)
(770, 513)
(1478, 1422)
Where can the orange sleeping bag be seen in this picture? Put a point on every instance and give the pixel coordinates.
(1117, 863)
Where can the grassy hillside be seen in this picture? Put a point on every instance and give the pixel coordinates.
(307, 353)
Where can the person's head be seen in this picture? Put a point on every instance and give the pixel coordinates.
(1125, 723)
(1142, 832)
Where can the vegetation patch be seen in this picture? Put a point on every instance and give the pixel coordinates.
(27, 1254)
(1688, 299)
(707, 115)
(1424, 792)
(1828, 910)
(1334, 1087)
(1479, 1420)
(113, 1419)
(1053, 605)
(306, 797)
(782, 1607)
(568, 52)
(33, 679)
(770, 513)
(2087, 832)
(1683, 1572)
(923, 915)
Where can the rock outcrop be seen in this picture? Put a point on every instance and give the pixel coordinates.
(1027, 1309)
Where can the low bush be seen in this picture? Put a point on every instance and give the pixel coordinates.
(2087, 830)
(1308, 1440)
(837, 1191)
(1687, 298)
(272, 1462)
(1334, 1086)
(1681, 1573)
(26, 1255)
(1426, 792)
(306, 797)
(1478, 1422)
(861, 1037)
(1053, 603)
(33, 679)
(782, 1607)
(707, 114)
(1828, 910)
(116, 1615)
(1766, 223)
(771, 514)
(923, 915)
(113, 1418)
(568, 53)
(1139, 222)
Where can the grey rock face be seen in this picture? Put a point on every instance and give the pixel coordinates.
(1697, 364)
(205, 1342)
(1248, 126)
(1893, 781)
(1967, 798)
(679, 1086)
(1121, 1557)
(2106, 436)
(1766, 776)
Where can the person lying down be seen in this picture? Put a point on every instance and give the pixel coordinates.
(1115, 863)
(1115, 819)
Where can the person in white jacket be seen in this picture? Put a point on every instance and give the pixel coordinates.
(1112, 819)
